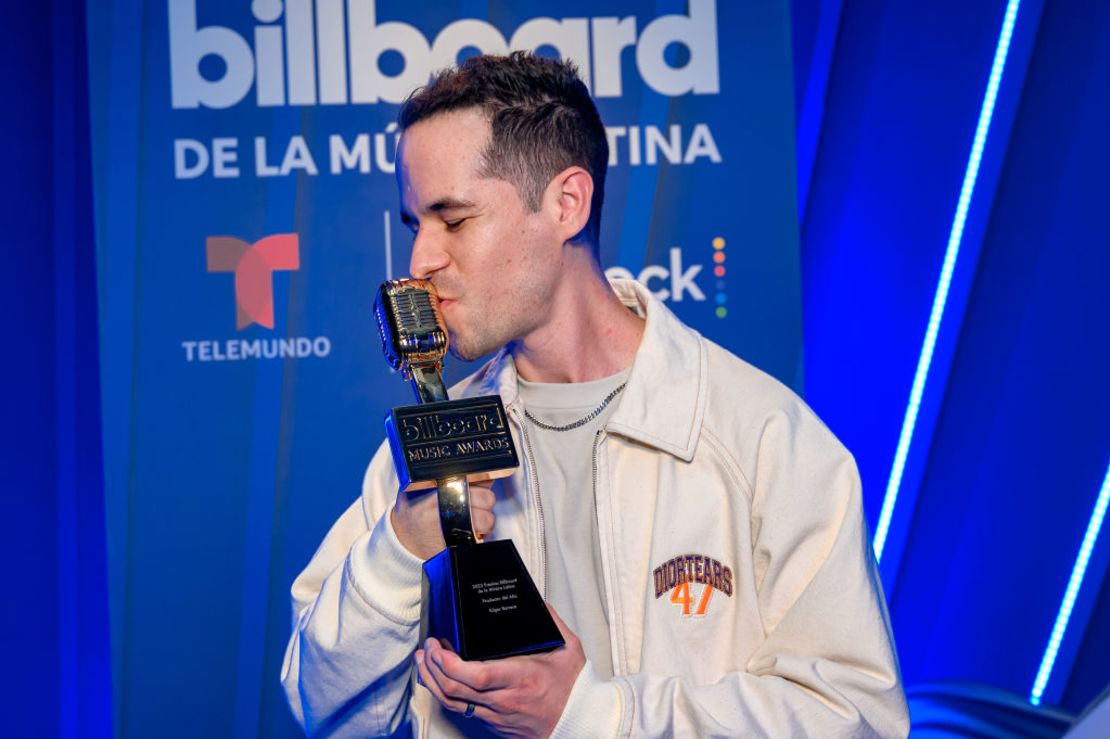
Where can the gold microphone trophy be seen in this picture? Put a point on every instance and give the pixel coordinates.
(477, 597)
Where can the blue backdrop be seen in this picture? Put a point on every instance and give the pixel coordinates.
(152, 581)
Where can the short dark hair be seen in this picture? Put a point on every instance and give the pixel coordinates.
(541, 115)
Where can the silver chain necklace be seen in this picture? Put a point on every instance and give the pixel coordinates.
(581, 421)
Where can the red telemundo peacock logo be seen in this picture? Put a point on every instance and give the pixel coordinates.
(254, 266)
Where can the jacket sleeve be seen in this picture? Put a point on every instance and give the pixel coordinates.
(826, 666)
(356, 611)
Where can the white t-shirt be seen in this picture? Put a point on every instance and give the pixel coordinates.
(564, 473)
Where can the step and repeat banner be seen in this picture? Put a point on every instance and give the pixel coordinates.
(246, 210)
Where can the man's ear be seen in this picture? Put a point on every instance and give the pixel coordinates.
(572, 191)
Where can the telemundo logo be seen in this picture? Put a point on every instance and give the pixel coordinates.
(253, 267)
(300, 46)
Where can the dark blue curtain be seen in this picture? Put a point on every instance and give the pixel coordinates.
(54, 620)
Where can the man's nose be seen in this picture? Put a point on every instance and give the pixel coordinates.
(428, 257)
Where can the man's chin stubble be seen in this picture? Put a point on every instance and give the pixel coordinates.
(462, 352)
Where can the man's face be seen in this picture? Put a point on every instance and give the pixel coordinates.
(493, 263)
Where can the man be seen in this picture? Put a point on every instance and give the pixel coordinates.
(695, 529)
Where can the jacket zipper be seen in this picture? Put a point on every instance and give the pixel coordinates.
(539, 502)
(613, 636)
(597, 443)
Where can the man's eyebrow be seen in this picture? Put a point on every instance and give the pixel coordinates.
(449, 204)
(438, 206)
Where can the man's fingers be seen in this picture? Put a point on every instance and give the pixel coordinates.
(480, 676)
(415, 519)
(452, 688)
(482, 500)
(483, 521)
(427, 678)
(454, 667)
(444, 689)
(482, 497)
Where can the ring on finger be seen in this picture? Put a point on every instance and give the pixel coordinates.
(469, 712)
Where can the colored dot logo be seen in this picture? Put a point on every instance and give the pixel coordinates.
(719, 272)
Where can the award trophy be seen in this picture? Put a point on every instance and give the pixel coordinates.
(477, 597)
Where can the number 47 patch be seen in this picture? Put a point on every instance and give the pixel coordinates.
(681, 597)
(691, 580)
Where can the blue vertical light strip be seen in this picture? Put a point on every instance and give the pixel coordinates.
(955, 238)
(1075, 582)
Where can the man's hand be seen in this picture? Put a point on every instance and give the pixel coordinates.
(516, 696)
(415, 518)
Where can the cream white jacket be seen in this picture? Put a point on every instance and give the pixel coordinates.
(707, 464)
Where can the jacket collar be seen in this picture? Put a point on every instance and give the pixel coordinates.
(663, 404)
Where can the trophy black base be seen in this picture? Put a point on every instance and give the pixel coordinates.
(480, 599)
